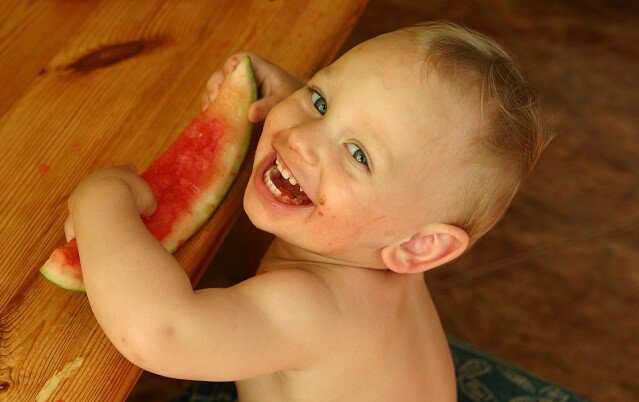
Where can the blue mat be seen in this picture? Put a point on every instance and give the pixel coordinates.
(481, 377)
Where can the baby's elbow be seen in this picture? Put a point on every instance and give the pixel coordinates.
(141, 348)
(131, 350)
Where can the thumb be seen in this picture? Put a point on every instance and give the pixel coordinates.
(145, 198)
(260, 108)
(69, 229)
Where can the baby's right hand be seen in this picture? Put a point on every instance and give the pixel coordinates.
(274, 84)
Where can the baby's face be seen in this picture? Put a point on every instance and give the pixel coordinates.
(372, 141)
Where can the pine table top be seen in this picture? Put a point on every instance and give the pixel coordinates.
(96, 83)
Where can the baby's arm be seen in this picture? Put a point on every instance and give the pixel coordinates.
(281, 320)
(130, 279)
(146, 306)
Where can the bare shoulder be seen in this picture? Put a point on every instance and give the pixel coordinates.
(292, 289)
(300, 302)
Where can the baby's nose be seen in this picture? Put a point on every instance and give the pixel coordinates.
(303, 147)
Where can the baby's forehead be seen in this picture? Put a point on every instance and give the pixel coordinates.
(383, 87)
(384, 78)
(387, 58)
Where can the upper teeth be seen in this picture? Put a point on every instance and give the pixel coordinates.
(285, 173)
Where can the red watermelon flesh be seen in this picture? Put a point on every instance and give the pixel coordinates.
(179, 176)
(191, 177)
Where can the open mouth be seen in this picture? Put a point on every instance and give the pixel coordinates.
(283, 185)
(278, 192)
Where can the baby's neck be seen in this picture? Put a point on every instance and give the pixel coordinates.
(281, 254)
(281, 251)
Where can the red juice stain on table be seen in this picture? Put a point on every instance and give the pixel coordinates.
(75, 148)
(44, 168)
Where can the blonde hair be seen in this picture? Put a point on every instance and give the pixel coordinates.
(510, 136)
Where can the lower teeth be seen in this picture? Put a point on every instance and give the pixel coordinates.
(286, 200)
(270, 185)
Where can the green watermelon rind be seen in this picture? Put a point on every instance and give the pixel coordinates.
(61, 280)
(52, 269)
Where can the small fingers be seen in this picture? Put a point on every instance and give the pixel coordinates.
(259, 109)
(205, 101)
(232, 62)
(214, 83)
(146, 201)
(148, 207)
(259, 64)
(69, 230)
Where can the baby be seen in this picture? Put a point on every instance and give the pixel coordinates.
(407, 150)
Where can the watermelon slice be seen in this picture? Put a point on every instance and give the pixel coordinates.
(190, 178)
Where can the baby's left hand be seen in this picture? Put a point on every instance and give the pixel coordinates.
(141, 191)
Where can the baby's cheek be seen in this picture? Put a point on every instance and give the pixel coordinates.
(270, 121)
(335, 232)
(282, 116)
(324, 230)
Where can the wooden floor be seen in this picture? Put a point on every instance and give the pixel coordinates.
(554, 288)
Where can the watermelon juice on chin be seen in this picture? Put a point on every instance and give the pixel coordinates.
(191, 177)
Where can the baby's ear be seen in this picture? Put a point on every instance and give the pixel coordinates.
(431, 247)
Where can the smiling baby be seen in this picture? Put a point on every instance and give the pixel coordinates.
(391, 161)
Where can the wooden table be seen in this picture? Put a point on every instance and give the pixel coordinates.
(88, 84)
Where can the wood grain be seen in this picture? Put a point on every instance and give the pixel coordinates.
(121, 79)
(30, 34)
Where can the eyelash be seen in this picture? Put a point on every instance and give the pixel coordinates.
(313, 90)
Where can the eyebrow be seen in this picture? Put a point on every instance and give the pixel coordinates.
(326, 71)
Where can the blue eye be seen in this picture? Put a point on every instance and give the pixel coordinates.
(359, 155)
(319, 102)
